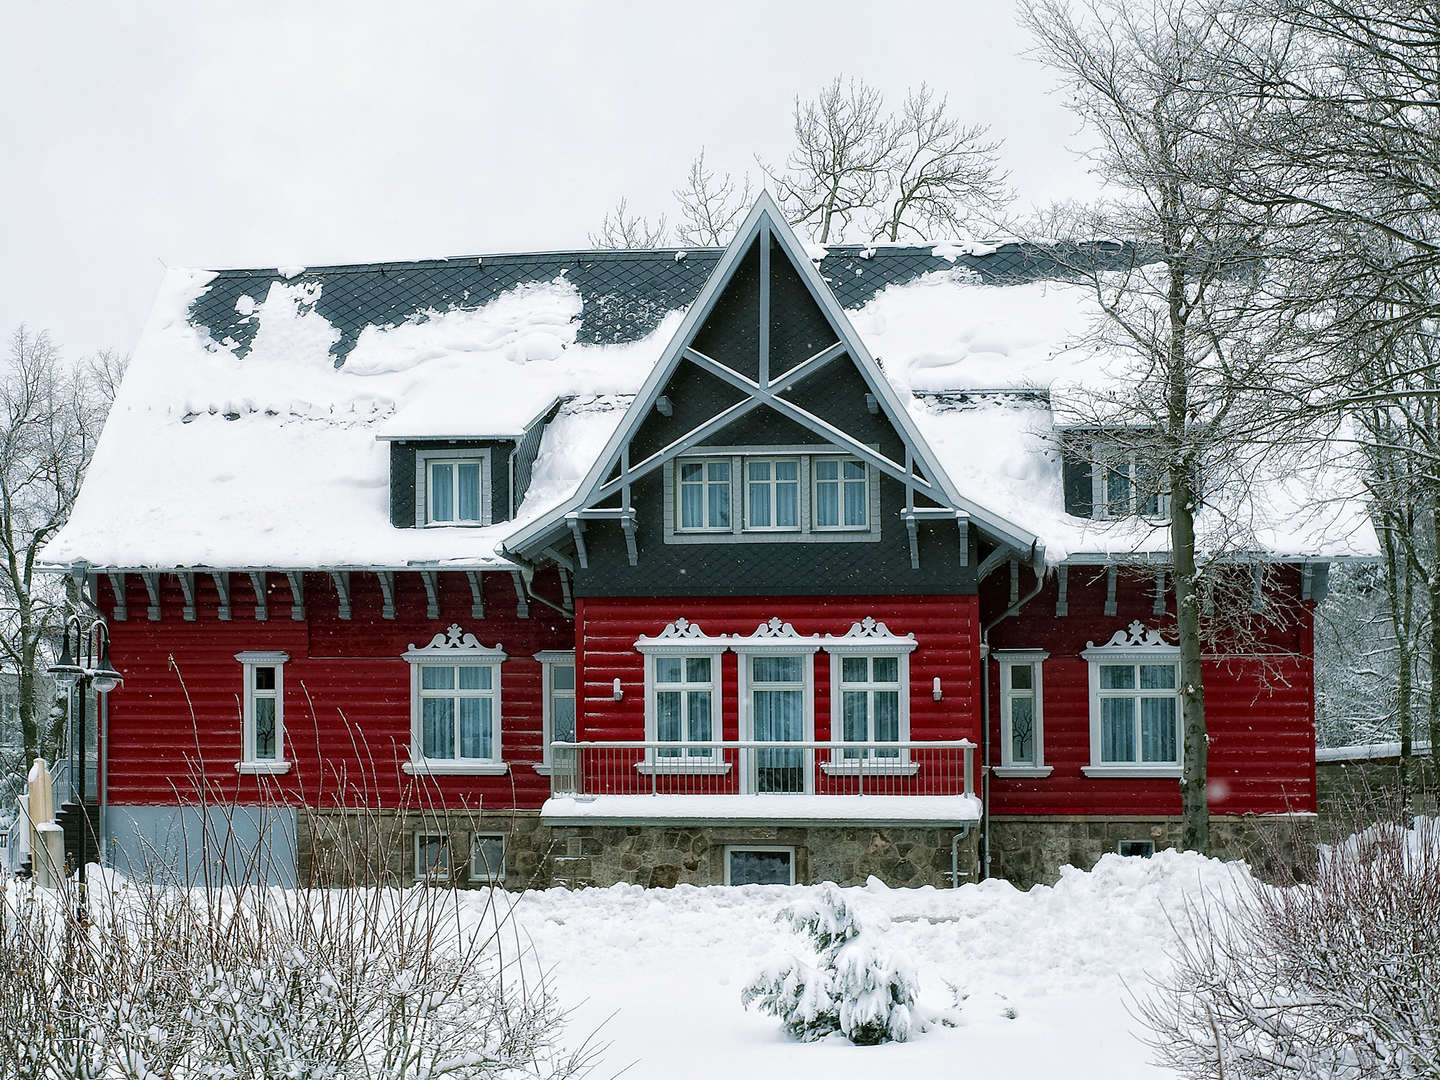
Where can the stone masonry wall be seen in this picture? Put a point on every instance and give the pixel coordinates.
(1351, 793)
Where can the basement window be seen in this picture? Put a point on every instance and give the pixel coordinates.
(759, 866)
(432, 857)
(1142, 848)
(487, 857)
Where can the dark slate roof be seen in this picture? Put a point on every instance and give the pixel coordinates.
(625, 294)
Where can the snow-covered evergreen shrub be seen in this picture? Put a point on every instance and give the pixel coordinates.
(848, 981)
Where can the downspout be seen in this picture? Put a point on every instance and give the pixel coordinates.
(1037, 567)
(102, 840)
(527, 576)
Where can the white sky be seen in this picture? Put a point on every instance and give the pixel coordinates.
(139, 134)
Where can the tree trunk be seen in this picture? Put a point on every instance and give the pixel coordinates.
(1195, 753)
(1398, 593)
(1433, 697)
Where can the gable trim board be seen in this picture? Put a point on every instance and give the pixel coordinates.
(920, 471)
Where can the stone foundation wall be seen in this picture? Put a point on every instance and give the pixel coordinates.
(664, 856)
(1029, 850)
(1353, 793)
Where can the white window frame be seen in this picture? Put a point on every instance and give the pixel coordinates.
(772, 484)
(1104, 452)
(785, 848)
(683, 639)
(418, 842)
(1006, 659)
(777, 638)
(249, 764)
(476, 869)
(455, 648)
(1133, 646)
(424, 459)
(550, 659)
(866, 478)
(705, 484)
(869, 638)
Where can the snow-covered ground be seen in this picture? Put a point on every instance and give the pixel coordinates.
(1040, 977)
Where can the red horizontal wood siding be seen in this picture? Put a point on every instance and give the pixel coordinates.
(346, 687)
(946, 629)
(1259, 712)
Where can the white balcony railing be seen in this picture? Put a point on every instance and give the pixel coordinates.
(928, 768)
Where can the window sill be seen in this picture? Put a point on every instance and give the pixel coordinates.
(1136, 772)
(262, 768)
(543, 768)
(456, 768)
(869, 768)
(699, 767)
(454, 525)
(1023, 772)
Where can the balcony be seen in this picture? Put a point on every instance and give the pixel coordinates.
(799, 783)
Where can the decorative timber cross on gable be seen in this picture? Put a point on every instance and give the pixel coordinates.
(765, 348)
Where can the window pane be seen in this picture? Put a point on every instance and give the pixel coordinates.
(562, 719)
(474, 677)
(697, 669)
(692, 506)
(718, 471)
(887, 669)
(760, 867)
(855, 719)
(667, 716)
(779, 715)
(787, 471)
(1157, 676)
(854, 669)
(475, 727)
(442, 506)
(827, 470)
(697, 709)
(827, 505)
(856, 512)
(769, 669)
(562, 676)
(667, 669)
(434, 677)
(759, 471)
(1117, 729)
(264, 729)
(432, 855)
(469, 481)
(760, 505)
(437, 724)
(1117, 677)
(1022, 677)
(1022, 731)
(487, 857)
(1158, 741)
(719, 504)
(787, 504)
(1117, 488)
(692, 471)
(887, 717)
(853, 470)
(264, 678)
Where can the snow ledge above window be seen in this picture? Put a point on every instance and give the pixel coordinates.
(1032, 772)
(456, 768)
(1124, 772)
(262, 768)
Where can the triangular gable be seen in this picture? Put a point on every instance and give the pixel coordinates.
(613, 473)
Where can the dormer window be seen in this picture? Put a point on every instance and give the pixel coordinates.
(1113, 475)
(456, 487)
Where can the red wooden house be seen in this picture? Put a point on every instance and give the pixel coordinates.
(762, 564)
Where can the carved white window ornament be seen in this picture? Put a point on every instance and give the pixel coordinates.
(870, 636)
(680, 637)
(777, 637)
(454, 642)
(1136, 636)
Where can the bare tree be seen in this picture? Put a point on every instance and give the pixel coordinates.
(1184, 300)
(941, 171)
(50, 418)
(840, 164)
(621, 229)
(711, 206)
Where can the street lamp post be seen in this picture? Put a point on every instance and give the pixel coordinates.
(86, 666)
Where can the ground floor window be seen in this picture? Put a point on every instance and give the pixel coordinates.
(487, 857)
(1134, 705)
(432, 856)
(759, 866)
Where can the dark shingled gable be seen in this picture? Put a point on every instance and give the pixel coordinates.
(625, 293)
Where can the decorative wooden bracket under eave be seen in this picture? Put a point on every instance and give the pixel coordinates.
(432, 593)
(187, 586)
(222, 586)
(297, 594)
(121, 612)
(1062, 593)
(387, 593)
(152, 590)
(342, 591)
(477, 593)
(522, 602)
(912, 517)
(577, 530)
(262, 599)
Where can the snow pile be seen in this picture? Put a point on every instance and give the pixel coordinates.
(847, 982)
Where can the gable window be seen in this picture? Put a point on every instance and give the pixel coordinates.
(682, 699)
(557, 670)
(263, 706)
(452, 487)
(455, 705)
(842, 494)
(705, 495)
(772, 493)
(1134, 705)
(1022, 743)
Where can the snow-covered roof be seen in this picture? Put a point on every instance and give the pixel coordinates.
(252, 427)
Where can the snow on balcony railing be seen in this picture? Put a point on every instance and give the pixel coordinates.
(927, 768)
